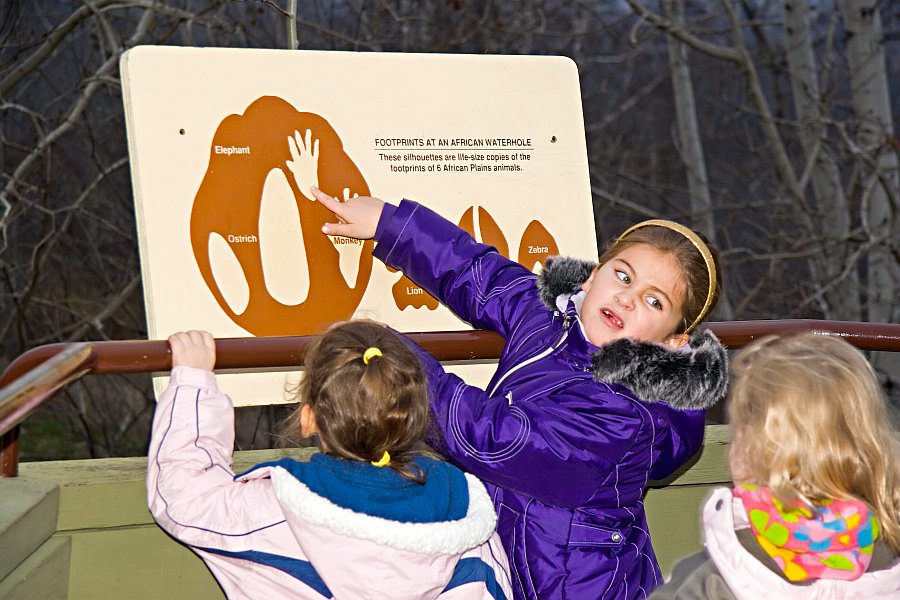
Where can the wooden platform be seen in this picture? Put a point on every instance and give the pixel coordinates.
(106, 540)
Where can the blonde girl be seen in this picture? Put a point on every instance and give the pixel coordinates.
(815, 511)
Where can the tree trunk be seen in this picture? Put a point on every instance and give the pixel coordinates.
(871, 103)
(842, 301)
(690, 146)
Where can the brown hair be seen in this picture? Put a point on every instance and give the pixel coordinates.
(810, 422)
(694, 271)
(364, 408)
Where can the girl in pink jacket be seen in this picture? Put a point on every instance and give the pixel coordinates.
(815, 512)
(369, 516)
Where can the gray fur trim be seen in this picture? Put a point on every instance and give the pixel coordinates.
(562, 275)
(692, 377)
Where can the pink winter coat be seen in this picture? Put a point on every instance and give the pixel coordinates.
(267, 535)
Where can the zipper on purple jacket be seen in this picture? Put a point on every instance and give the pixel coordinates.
(565, 325)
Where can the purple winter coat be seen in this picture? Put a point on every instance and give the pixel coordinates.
(567, 435)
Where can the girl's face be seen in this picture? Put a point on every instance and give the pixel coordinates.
(638, 295)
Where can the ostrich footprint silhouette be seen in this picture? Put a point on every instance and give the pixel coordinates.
(282, 251)
(226, 270)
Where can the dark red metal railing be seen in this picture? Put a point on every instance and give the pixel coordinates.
(36, 374)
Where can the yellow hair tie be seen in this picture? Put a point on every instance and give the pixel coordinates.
(385, 458)
(701, 247)
(369, 354)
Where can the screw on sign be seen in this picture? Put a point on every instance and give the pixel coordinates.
(256, 235)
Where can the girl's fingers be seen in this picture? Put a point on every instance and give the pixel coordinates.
(335, 206)
(336, 229)
(193, 348)
(357, 217)
(330, 202)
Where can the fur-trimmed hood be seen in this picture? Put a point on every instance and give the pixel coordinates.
(692, 377)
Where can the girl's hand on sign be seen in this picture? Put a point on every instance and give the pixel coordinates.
(358, 216)
(195, 349)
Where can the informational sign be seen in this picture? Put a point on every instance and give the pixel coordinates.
(226, 143)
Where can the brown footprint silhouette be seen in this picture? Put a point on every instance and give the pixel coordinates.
(227, 203)
(406, 293)
(489, 231)
(536, 245)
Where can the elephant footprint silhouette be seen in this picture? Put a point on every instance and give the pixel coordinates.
(256, 234)
(281, 247)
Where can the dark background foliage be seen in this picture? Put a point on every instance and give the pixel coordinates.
(69, 267)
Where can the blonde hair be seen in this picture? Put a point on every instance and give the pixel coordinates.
(810, 422)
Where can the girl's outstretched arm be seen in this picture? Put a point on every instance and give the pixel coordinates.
(471, 279)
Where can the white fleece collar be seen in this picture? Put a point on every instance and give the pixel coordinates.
(447, 537)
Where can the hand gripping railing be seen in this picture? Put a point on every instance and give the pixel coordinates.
(37, 374)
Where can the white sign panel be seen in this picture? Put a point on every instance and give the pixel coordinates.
(225, 144)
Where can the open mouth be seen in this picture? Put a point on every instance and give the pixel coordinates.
(612, 318)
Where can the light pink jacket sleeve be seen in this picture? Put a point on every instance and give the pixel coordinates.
(191, 490)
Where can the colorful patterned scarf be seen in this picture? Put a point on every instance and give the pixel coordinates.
(836, 543)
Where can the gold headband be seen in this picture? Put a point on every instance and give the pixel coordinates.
(702, 248)
(370, 353)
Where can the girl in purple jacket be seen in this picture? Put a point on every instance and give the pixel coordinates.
(368, 516)
(602, 386)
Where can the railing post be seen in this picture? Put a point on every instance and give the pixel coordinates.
(26, 392)
(9, 453)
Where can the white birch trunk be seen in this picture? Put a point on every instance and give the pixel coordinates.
(842, 300)
(871, 103)
(690, 145)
